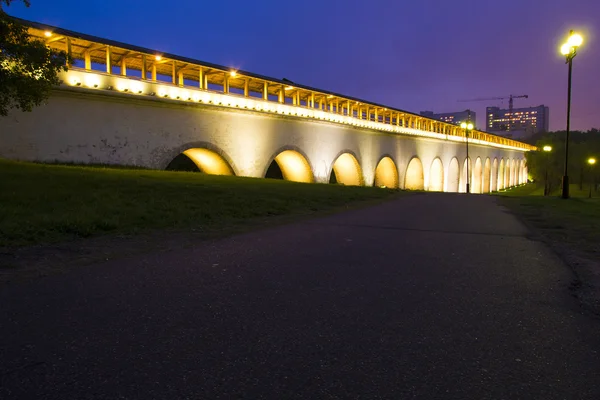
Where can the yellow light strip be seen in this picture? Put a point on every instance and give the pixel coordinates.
(76, 77)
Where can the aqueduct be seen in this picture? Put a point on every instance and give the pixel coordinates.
(121, 104)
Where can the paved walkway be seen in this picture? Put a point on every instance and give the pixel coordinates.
(430, 296)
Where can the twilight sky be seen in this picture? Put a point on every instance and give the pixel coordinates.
(413, 54)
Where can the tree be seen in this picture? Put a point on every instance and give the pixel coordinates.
(28, 68)
(582, 146)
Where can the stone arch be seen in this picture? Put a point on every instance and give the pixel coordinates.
(467, 165)
(453, 179)
(436, 176)
(386, 173)
(346, 170)
(501, 184)
(186, 163)
(494, 176)
(197, 159)
(290, 164)
(414, 179)
(507, 174)
(476, 183)
(523, 175)
(487, 173)
(513, 173)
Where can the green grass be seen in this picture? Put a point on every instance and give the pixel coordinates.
(573, 222)
(534, 190)
(42, 203)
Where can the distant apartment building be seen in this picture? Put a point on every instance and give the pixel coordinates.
(451, 117)
(523, 122)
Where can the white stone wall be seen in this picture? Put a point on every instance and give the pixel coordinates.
(86, 126)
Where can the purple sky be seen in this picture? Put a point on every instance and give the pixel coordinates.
(416, 54)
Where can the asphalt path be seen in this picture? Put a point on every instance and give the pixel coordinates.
(428, 296)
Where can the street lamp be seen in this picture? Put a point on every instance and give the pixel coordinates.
(569, 50)
(467, 126)
(591, 162)
(547, 149)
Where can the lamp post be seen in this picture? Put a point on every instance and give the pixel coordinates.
(569, 50)
(547, 150)
(468, 126)
(591, 162)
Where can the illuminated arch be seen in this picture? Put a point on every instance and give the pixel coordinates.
(476, 184)
(453, 176)
(487, 172)
(494, 176)
(436, 176)
(201, 160)
(346, 170)
(467, 166)
(513, 173)
(290, 165)
(507, 174)
(523, 174)
(414, 180)
(501, 177)
(386, 173)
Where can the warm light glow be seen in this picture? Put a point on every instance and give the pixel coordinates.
(126, 85)
(47, 33)
(386, 173)
(575, 40)
(547, 148)
(453, 184)
(233, 73)
(347, 170)
(592, 161)
(294, 167)
(209, 162)
(414, 180)
(565, 49)
(436, 176)
(158, 58)
(486, 183)
(92, 81)
(136, 87)
(476, 173)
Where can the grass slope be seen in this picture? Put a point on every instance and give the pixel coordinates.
(41, 203)
(574, 222)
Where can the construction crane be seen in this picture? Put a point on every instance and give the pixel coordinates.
(510, 104)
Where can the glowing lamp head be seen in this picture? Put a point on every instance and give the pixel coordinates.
(233, 73)
(565, 49)
(547, 148)
(47, 33)
(591, 161)
(469, 126)
(575, 40)
(463, 125)
(158, 57)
